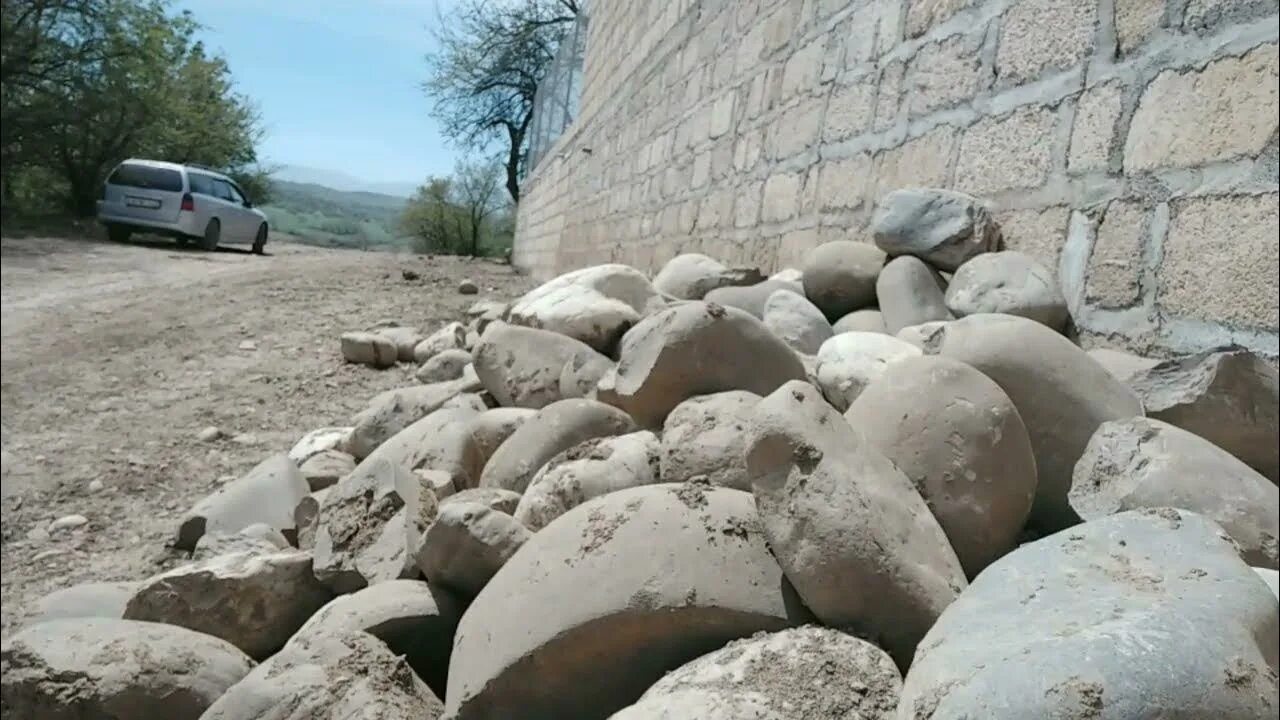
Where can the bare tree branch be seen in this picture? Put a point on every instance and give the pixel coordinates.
(483, 81)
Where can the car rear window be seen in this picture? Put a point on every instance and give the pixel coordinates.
(145, 176)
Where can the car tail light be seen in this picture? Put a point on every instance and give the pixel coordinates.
(188, 203)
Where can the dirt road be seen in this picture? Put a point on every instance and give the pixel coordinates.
(116, 356)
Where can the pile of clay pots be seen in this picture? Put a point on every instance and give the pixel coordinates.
(882, 485)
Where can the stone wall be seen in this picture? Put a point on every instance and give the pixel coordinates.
(1130, 144)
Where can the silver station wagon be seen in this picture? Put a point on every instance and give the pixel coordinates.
(180, 201)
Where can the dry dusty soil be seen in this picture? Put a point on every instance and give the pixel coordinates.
(115, 357)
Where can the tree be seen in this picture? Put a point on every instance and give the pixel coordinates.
(43, 45)
(458, 214)
(432, 220)
(41, 39)
(476, 193)
(255, 180)
(493, 54)
(137, 84)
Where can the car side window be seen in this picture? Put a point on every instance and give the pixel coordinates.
(236, 196)
(201, 184)
(224, 190)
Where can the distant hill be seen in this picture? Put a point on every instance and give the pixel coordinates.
(337, 218)
(339, 180)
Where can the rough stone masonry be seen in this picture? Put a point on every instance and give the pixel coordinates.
(1129, 145)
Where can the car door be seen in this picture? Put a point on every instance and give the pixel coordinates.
(248, 218)
(231, 213)
(206, 200)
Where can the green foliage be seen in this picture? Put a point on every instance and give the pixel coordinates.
(460, 215)
(341, 226)
(256, 183)
(40, 192)
(319, 215)
(434, 222)
(88, 83)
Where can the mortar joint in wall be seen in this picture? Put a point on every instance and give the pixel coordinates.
(1064, 125)
(1105, 45)
(1153, 256)
(963, 21)
(987, 54)
(1174, 12)
(1183, 53)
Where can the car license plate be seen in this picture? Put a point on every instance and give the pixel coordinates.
(141, 202)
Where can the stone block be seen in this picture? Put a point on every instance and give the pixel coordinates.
(781, 197)
(1189, 117)
(722, 158)
(889, 28)
(1221, 260)
(827, 8)
(773, 87)
(746, 14)
(889, 95)
(795, 245)
(796, 130)
(642, 257)
(859, 39)
(924, 161)
(809, 190)
(670, 225)
(747, 149)
(701, 172)
(660, 149)
(781, 26)
(1040, 36)
(1135, 21)
(683, 135)
(746, 207)
(675, 180)
(1039, 233)
(924, 14)
(1204, 16)
(692, 89)
(1115, 265)
(759, 252)
(703, 45)
(1094, 130)
(851, 108)
(1006, 153)
(843, 184)
(714, 209)
(832, 55)
(688, 217)
(750, 49)
(755, 92)
(700, 125)
(804, 68)
(722, 71)
(945, 73)
(722, 115)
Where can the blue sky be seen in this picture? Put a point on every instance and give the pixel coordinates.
(337, 81)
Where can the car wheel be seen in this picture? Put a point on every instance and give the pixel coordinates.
(260, 241)
(212, 232)
(118, 233)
